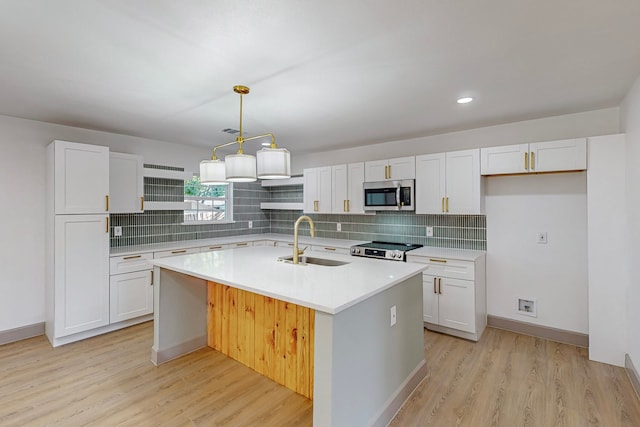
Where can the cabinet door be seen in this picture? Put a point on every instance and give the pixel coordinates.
(565, 155)
(131, 295)
(310, 190)
(339, 188)
(376, 170)
(429, 298)
(504, 160)
(81, 178)
(324, 189)
(430, 184)
(81, 295)
(402, 168)
(355, 194)
(126, 183)
(457, 304)
(463, 182)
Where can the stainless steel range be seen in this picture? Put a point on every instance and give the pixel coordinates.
(384, 250)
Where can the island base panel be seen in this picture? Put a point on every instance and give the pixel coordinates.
(275, 338)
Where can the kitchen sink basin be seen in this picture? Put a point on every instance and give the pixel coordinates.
(304, 260)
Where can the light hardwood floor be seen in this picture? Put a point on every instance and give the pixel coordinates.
(506, 379)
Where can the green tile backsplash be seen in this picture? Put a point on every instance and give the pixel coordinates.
(449, 231)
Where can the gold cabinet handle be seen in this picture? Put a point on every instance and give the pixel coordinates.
(315, 206)
(447, 203)
(526, 161)
(437, 260)
(151, 284)
(179, 252)
(442, 205)
(142, 203)
(241, 244)
(533, 161)
(132, 257)
(107, 202)
(345, 208)
(106, 230)
(348, 205)
(329, 249)
(389, 172)
(215, 247)
(434, 285)
(440, 285)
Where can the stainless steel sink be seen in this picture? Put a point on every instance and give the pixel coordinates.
(313, 260)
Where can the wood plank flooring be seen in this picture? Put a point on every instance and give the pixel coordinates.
(506, 379)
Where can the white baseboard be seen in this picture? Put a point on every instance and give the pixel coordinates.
(159, 357)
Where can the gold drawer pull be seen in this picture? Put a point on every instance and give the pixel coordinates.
(179, 252)
(133, 257)
(215, 247)
(241, 244)
(526, 161)
(437, 260)
(329, 249)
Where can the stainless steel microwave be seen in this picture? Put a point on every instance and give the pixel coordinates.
(389, 195)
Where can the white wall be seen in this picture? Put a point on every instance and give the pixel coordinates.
(22, 186)
(555, 274)
(630, 124)
(592, 123)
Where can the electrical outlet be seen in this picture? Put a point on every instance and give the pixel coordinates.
(542, 237)
(250, 224)
(429, 231)
(393, 315)
(117, 231)
(338, 226)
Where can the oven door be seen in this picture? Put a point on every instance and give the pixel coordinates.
(389, 195)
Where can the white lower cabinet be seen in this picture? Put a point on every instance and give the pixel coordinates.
(130, 287)
(454, 296)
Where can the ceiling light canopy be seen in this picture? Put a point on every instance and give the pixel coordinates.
(270, 162)
(465, 100)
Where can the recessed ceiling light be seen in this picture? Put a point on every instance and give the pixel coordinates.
(464, 100)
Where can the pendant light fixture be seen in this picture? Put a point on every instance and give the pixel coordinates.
(271, 162)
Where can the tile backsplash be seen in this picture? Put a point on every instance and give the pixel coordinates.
(449, 231)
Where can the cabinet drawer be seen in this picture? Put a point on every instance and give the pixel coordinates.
(129, 263)
(330, 249)
(443, 267)
(212, 248)
(175, 252)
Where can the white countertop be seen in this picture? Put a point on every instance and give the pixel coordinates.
(459, 254)
(327, 289)
(185, 244)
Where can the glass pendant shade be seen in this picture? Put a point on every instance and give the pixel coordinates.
(274, 163)
(240, 167)
(212, 172)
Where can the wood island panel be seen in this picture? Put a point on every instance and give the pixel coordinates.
(273, 337)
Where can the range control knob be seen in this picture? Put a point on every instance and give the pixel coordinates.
(398, 254)
(355, 250)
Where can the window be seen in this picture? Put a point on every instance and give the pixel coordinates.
(209, 203)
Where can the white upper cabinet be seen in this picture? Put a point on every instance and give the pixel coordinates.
(126, 183)
(550, 156)
(346, 186)
(390, 169)
(317, 190)
(81, 175)
(449, 183)
(564, 155)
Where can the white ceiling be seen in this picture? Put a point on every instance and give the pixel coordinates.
(323, 74)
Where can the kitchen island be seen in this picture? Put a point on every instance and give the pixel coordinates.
(362, 367)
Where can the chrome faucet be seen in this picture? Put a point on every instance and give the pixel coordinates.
(296, 251)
